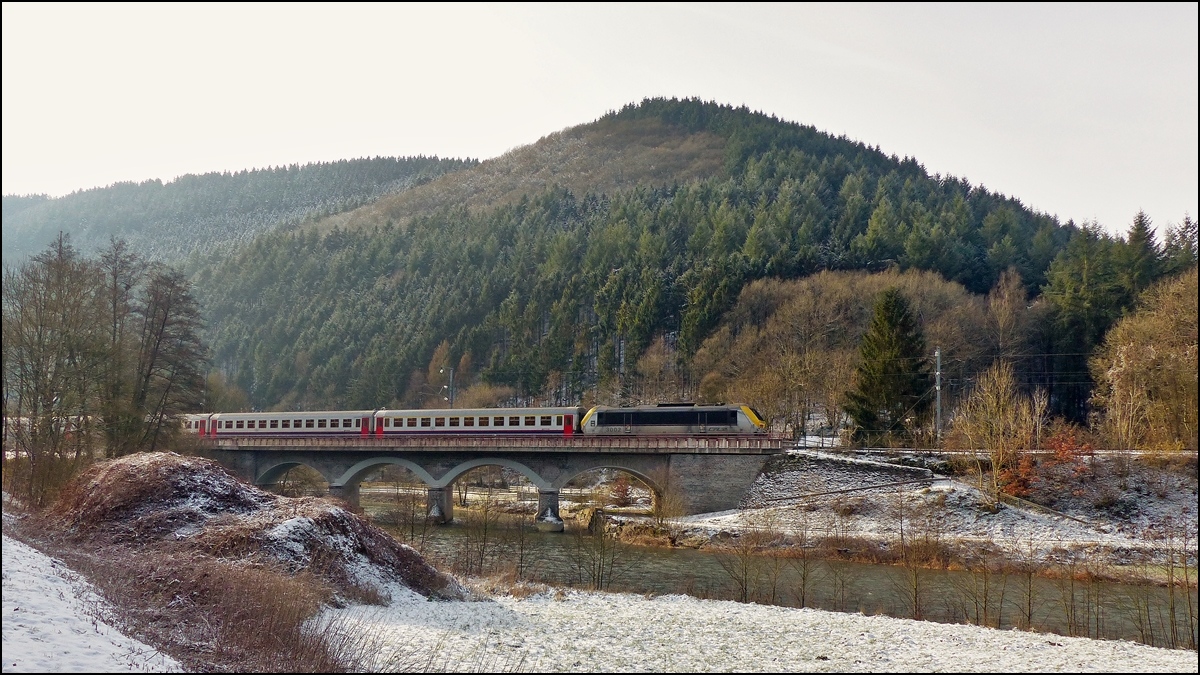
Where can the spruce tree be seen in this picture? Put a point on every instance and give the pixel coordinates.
(892, 383)
(1140, 258)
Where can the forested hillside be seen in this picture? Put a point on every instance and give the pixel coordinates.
(555, 280)
(169, 221)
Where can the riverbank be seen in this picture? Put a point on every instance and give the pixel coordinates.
(1122, 521)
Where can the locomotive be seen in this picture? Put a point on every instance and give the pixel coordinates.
(664, 419)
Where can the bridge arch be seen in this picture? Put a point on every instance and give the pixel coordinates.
(642, 476)
(274, 472)
(455, 473)
(354, 474)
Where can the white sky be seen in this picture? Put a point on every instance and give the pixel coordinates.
(1079, 111)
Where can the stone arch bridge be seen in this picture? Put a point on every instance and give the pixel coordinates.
(706, 473)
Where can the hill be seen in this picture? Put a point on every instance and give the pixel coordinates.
(550, 271)
(169, 221)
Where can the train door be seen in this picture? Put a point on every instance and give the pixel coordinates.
(568, 425)
(366, 427)
(203, 427)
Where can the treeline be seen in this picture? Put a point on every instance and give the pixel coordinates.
(100, 355)
(557, 296)
(170, 221)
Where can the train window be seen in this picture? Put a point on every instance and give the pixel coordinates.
(333, 424)
(298, 423)
(499, 421)
(287, 424)
(453, 421)
(425, 421)
(514, 421)
(412, 421)
(275, 424)
(545, 420)
(439, 421)
(387, 421)
(262, 424)
(346, 423)
(321, 424)
(357, 423)
(468, 421)
(483, 421)
(240, 424)
(530, 420)
(308, 424)
(558, 420)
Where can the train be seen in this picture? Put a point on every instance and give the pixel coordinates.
(663, 419)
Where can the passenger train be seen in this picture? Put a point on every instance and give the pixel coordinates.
(664, 419)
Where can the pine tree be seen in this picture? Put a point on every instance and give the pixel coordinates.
(892, 383)
(1140, 257)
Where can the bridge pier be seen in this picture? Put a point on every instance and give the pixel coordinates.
(347, 493)
(439, 504)
(548, 519)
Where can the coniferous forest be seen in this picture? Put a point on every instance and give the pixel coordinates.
(672, 250)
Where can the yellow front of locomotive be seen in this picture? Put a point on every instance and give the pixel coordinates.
(750, 421)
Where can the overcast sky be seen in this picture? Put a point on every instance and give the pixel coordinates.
(1084, 112)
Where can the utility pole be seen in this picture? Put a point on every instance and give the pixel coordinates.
(450, 388)
(937, 355)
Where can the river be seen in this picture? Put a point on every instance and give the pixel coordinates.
(1066, 606)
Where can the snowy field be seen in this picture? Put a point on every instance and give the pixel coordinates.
(53, 622)
(570, 631)
(50, 625)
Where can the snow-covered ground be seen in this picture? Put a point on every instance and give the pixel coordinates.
(54, 622)
(50, 625)
(819, 494)
(572, 631)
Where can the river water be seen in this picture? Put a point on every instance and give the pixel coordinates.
(1067, 606)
